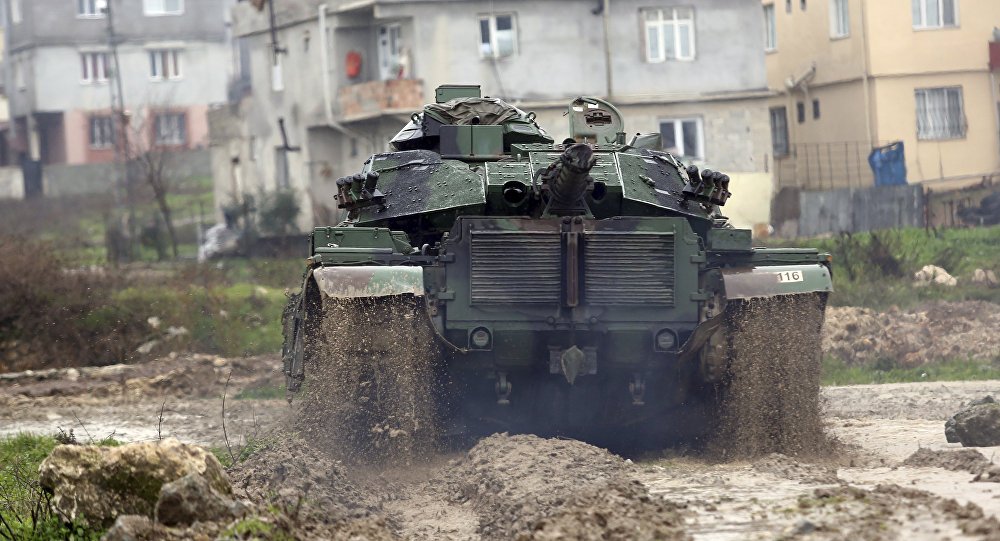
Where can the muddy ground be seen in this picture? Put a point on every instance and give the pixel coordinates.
(525, 487)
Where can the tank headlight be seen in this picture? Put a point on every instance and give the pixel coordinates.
(665, 340)
(480, 338)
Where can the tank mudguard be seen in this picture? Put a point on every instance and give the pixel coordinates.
(773, 280)
(369, 281)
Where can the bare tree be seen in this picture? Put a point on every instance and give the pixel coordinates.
(152, 163)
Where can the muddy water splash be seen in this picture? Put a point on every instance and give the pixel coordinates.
(771, 403)
(372, 380)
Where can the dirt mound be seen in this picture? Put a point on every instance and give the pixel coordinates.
(889, 512)
(187, 376)
(289, 472)
(370, 364)
(933, 332)
(961, 460)
(523, 485)
(617, 511)
(771, 403)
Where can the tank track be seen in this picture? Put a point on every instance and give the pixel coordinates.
(769, 398)
(371, 390)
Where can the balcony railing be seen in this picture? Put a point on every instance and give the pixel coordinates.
(374, 98)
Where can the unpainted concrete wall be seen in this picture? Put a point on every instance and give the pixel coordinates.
(853, 210)
(100, 177)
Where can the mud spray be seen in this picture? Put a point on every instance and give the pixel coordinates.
(372, 380)
(771, 401)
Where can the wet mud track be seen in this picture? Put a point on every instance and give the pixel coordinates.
(524, 487)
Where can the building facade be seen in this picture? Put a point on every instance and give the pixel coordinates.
(345, 76)
(172, 57)
(858, 74)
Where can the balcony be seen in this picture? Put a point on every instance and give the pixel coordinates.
(375, 98)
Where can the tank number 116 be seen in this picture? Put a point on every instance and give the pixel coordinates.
(789, 276)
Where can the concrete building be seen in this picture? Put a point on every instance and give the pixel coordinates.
(172, 56)
(855, 74)
(346, 75)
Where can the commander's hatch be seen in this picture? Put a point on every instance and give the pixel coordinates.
(593, 120)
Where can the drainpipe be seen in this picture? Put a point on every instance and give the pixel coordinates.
(606, 12)
(327, 85)
(866, 77)
(996, 106)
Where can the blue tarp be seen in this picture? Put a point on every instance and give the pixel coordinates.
(888, 164)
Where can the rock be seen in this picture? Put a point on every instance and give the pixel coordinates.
(95, 484)
(985, 277)
(932, 274)
(989, 475)
(975, 426)
(129, 528)
(191, 499)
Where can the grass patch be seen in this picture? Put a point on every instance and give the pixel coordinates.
(876, 269)
(25, 513)
(268, 392)
(836, 372)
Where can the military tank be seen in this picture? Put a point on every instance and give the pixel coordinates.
(489, 279)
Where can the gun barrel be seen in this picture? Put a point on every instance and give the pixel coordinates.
(570, 184)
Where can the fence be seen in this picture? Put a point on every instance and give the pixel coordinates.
(821, 166)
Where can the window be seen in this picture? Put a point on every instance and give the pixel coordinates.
(170, 129)
(802, 5)
(497, 36)
(779, 132)
(164, 64)
(840, 20)
(15, 11)
(940, 113)
(91, 9)
(94, 67)
(669, 34)
(102, 132)
(934, 13)
(788, 6)
(815, 109)
(800, 112)
(390, 53)
(683, 137)
(770, 33)
(152, 8)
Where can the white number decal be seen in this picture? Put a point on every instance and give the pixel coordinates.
(789, 276)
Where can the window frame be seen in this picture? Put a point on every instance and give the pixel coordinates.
(16, 12)
(491, 22)
(770, 28)
(148, 12)
(922, 24)
(156, 64)
(678, 122)
(182, 129)
(95, 67)
(840, 12)
(785, 151)
(97, 13)
(93, 143)
(660, 24)
(939, 134)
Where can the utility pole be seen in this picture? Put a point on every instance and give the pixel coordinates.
(119, 128)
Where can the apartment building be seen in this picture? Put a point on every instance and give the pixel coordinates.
(856, 74)
(345, 76)
(172, 58)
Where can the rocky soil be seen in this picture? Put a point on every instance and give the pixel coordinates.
(932, 332)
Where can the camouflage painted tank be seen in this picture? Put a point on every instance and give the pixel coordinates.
(590, 288)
